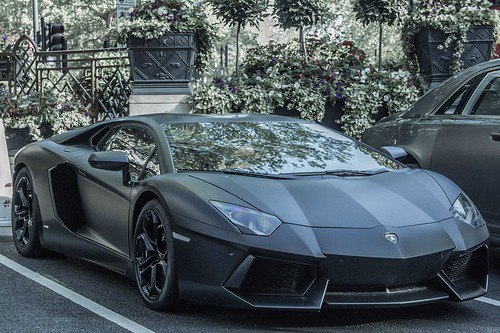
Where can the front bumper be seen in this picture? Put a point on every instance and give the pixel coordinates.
(315, 269)
(269, 283)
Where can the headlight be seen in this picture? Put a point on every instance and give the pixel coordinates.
(464, 210)
(249, 221)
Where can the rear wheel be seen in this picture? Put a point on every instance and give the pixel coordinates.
(154, 258)
(26, 221)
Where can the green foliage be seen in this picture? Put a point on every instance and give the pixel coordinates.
(6, 42)
(276, 77)
(242, 12)
(58, 110)
(86, 22)
(453, 17)
(154, 19)
(301, 13)
(379, 11)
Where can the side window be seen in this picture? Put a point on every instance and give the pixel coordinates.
(140, 148)
(488, 103)
(457, 102)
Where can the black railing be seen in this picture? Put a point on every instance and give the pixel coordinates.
(98, 78)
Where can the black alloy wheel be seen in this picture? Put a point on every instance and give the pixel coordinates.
(26, 221)
(154, 260)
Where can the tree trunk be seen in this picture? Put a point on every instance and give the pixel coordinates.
(380, 47)
(238, 31)
(303, 43)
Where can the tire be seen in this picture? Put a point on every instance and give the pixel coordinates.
(26, 220)
(154, 258)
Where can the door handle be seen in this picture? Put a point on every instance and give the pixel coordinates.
(495, 136)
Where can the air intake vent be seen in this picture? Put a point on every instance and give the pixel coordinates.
(466, 267)
(268, 276)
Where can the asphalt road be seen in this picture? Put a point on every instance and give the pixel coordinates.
(27, 306)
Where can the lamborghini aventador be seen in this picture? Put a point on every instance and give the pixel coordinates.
(249, 211)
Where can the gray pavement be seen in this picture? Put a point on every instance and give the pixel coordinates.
(29, 307)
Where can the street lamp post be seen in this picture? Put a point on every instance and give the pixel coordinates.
(35, 23)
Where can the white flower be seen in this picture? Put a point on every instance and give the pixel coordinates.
(162, 11)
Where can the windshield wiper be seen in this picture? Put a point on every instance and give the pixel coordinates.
(341, 173)
(243, 173)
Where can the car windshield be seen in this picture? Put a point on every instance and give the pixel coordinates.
(269, 148)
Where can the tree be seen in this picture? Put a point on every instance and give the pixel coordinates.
(301, 14)
(86, 21)
(379, 11)
(239, 13)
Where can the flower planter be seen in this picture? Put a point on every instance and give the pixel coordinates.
(283, 111)
(381, 113)
(435, 60)
(17, 138)
(5, 66)
(333, 113)
(163, 65)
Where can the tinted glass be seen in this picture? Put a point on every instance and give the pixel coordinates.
(267, 147)
(488, 103)
(140, 148)
(456, 103)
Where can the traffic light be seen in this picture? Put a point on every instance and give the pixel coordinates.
(56, 41)
(52, 38)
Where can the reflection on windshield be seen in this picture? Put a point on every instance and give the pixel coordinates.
(268, 147)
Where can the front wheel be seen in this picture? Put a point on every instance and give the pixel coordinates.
(154, 258)
(26, 221)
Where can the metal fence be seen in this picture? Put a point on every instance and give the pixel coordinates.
(100, 78)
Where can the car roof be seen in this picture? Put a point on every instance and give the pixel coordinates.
(434, 97)
(177, 118)
(155, 121)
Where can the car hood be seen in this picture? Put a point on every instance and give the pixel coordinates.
(393, 199)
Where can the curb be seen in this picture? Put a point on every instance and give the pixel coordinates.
(5, 234)
(5, 239)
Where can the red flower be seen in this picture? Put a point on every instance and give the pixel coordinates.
(348, 43)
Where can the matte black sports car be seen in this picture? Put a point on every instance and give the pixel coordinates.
(455, 130)
(249, 211)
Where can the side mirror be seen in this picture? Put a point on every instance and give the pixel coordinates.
(397, 153)
(111, 161)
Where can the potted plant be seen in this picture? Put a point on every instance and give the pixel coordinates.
(29, 118)
(167, 40)
(443, 37)
(378, 11)
(309, 13)
(239, 13)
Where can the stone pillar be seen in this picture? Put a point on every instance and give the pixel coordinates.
(140, 104)
(161, 71)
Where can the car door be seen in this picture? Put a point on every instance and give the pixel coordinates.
(467, 149)
(105, 199)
